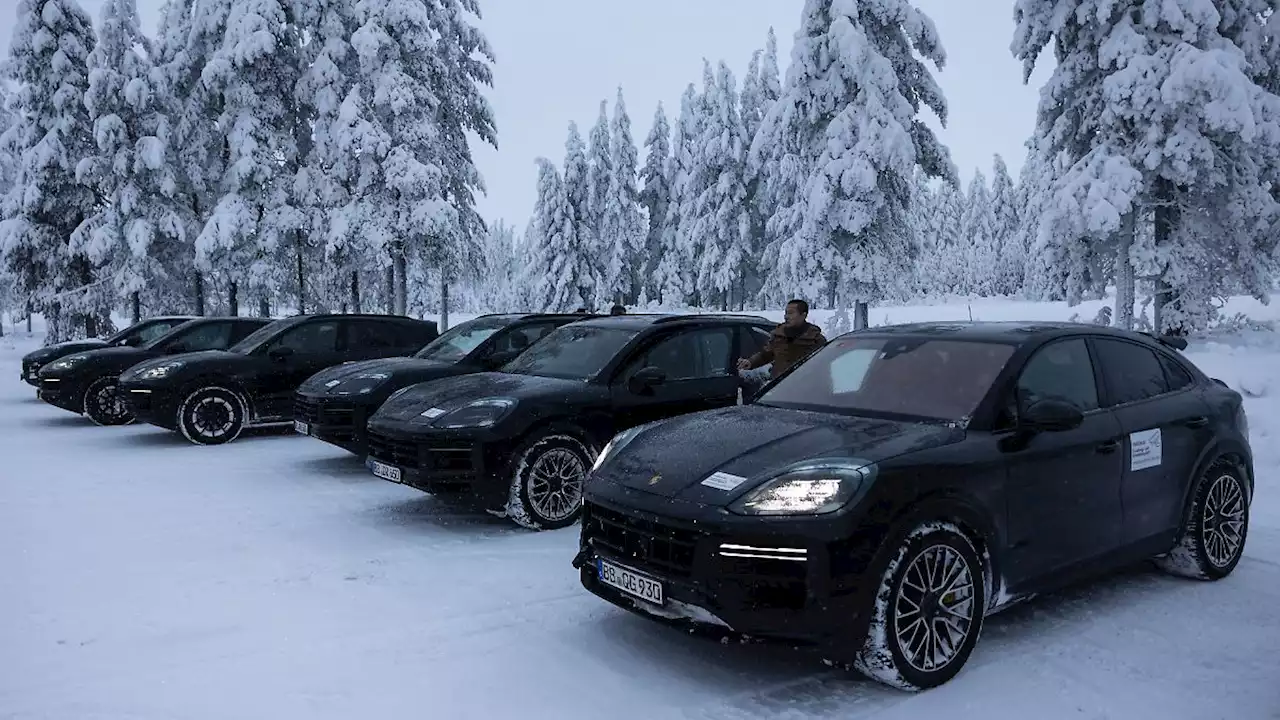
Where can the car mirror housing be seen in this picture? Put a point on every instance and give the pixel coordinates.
(645, 379)
(1052, 416)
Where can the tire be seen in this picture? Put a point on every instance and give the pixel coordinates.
(897, 647)
(102, 405)
(211, 416)
(1212, 542)
(547, 477)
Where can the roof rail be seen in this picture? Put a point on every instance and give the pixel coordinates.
(717, 316)
(1176, 342)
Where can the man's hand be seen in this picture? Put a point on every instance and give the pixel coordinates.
(744, 364)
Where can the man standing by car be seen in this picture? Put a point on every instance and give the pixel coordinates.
(791, 342)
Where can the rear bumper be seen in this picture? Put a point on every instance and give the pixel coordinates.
(802, 589)
(445, 463)
(152, 405)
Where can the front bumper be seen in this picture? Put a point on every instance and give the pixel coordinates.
(447, 462)
(798, 581)
(151, 403)
(339, 421)
(30, 373)
(65, 392)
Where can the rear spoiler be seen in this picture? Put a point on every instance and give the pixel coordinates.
(1171, 341)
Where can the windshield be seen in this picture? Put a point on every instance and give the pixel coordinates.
(459, 341)
(572, 352)
(913, 377)
(166, 337)
(257, 337)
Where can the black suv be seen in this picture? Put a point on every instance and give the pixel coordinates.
(334, 405)
(519, 442)
(884, 496)
(132, 336)
(210, 397)
(85, 382)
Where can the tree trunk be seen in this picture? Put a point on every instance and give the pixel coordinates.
(30, 311)
(264, 306)
(355, 291)
(233, 299)
(444, 303)
(1124, 274)
(861, 310)
(400, 266)
(135, 307)
(199, 294)
(390, 277)
(302, 277)
(1165, 220)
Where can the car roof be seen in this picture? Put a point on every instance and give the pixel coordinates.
(515, 317)
(1012, 331)
(639, 321)
(357, 316)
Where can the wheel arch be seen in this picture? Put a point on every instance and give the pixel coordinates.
(1228, 451)
(206, 381)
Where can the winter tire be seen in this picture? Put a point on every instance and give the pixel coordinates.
(1212, 542)
(211, 416)
(928, 610)
(103, 404)
(546, 482)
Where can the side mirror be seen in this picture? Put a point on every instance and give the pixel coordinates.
(176, 348)
(645, 379)
(1052, 416)
(133, 341)
(280, 353)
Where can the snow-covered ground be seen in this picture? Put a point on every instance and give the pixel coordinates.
(274, 578)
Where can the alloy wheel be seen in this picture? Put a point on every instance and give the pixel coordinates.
(555, 484)
(1222, 521)
(933, 613)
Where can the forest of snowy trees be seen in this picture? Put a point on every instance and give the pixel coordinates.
(259, 155)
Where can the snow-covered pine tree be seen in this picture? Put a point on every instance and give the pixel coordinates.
(723, 224)
(563, 274)
(622, 222)
(7, 171)
(924, 232)
(48, 60)
(136, 235)
(760, 90)
(655, 196)
(1011, 267)
(249, 236)
(977, 228)
(849, 113)
(675, 278)
(950, 243)
(577, 188)
(599, 175)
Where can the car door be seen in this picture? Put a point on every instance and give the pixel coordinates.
(310, 347)
(696, 364)
(1063, 488)
(1166, 426)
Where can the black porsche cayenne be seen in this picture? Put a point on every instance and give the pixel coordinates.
(902, 483)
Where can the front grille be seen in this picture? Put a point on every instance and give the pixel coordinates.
(401, 453)
(328, 413)
(647, 545)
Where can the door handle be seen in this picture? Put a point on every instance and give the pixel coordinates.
(1109, 447)
(1197, 422)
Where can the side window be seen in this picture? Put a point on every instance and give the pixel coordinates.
(521, 337)
(751, 340)
(690, 355)
(310, 338)
(211, 336)
(373, 335)
(1175, 375)
(1133, 372)
(242, 330)
(1059, 371)
(151, 332)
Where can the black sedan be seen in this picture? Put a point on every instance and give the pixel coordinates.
(85, 382)
(902, 483)
(213, 396)
(334, 405)
(132, 336)
(519, 442)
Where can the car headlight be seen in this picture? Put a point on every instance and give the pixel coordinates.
(159, 371)
(481, 413)
(618, 442)
(66, 363)
(812, 489)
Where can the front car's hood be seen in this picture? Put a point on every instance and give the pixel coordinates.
(756, 443)
(449, 394)
(62, 349)
(358, 378)
(104, 360)
(186, 361)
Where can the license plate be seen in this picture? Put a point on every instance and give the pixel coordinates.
(630, 582)
(385, 471)
(301, 428)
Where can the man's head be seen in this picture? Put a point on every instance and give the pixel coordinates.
(797, 313)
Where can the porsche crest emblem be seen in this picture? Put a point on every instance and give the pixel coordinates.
(655, 479)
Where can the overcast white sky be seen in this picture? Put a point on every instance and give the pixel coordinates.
(556, 59)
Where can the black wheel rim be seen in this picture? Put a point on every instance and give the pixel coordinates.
(108, 404)
(213, 417)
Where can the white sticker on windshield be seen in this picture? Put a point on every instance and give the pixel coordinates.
(1145, 449)
(432, 413)
(723, 481)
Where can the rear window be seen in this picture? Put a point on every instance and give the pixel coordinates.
(921, 378)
